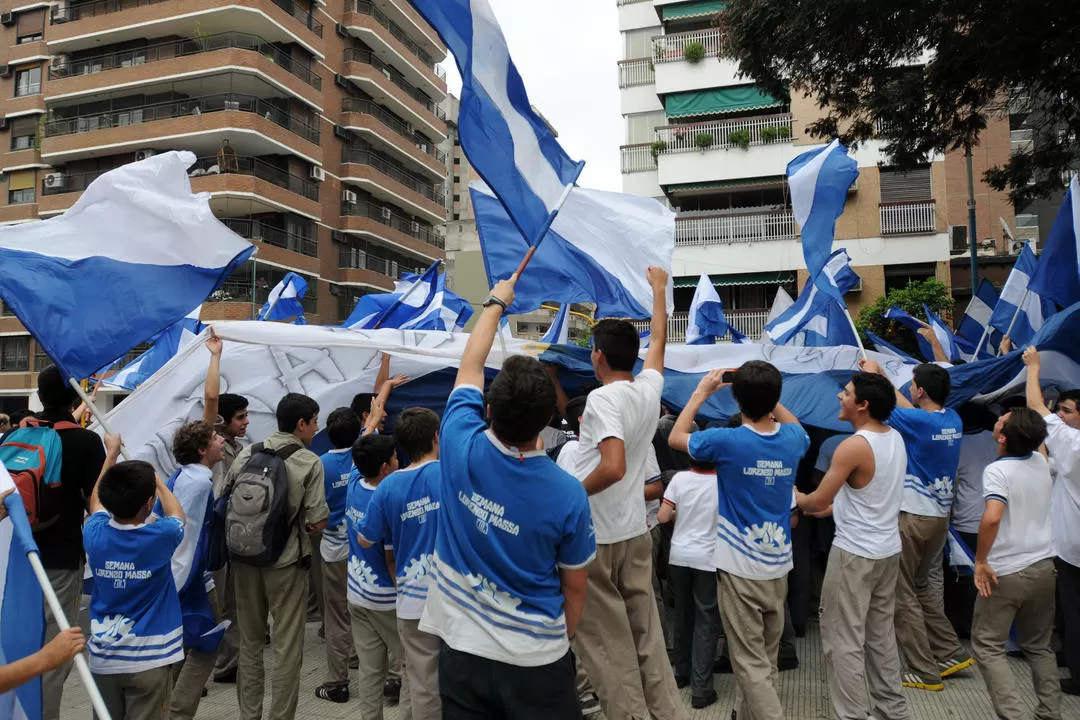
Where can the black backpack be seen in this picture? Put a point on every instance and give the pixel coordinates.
(254, 510)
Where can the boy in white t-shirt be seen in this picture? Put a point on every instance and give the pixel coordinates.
(1014, 569)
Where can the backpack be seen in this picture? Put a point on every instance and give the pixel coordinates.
(33, 455)
(257, 522)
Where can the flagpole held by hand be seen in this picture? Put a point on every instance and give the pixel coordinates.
(1017, 313)
(96, 413)
(532, 249)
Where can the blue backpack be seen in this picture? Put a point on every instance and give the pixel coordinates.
(32, 455)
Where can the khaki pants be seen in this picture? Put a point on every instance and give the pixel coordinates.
(378, 648)
(280, 593)
(229, 650)
(620, 639)
(68, 587)
(339, 641)
(190, 676)
(421, 658)
(923, 632)
(1028, 598)
(315, 578)
(752, 612)
(857, 606)
(137, 696)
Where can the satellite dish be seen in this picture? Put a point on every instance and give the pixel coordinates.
(1005, 226)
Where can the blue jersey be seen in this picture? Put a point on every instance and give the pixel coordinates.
(404, 515)
(755, 476)
(932, 440)
(337, 467)
(509, 521)
(370, 583)
(135, 618)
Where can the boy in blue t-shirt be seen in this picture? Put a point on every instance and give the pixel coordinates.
(755, 471)
(136, 627)
(513, 544)
(403, 516)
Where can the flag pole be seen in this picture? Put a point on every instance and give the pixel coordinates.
(96, 413)
(982, 340)
(858, 339)
(532, 249)
(1017, 313)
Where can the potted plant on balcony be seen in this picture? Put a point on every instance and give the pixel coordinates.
(703, 140)
(656, 147)
(739, 138)
(694, 52)
(769, 133)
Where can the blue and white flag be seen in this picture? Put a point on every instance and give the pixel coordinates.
(597, 250)
(976, 321)
(132, 256)
(285, 299)
(559, 332)
(167, 343)
(706, 322)
(419, 302)
(888, 349)
(951, 344)
(817, 319)
(1057, 277)
(507, 142)
(22, 609)
(819, 182)
(1019, 301)
(914, 324)
(958, 554)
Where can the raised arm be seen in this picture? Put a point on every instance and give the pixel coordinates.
(872, 366)
(212, 391)
(784, 416)
(377, 412)
(112, 452)
(560, 394)
(169, 504)
(654, 358)
(1035, 399)
(679, 439)
(471, 369)
(935, 345)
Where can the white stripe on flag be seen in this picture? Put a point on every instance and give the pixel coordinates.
(979, 311)
(804, 182)
(792, 322)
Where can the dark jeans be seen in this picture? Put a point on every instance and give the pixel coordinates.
(475, 688)
(1068, 592)
(960, 592)
(697, 626)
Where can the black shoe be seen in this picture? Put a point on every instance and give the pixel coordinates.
(333, 692)
(787, 663)
(392, 690)
(722, 666)
(226, 677)
(681, 682)
(205, 692)
(698, 702)
(1070, 687)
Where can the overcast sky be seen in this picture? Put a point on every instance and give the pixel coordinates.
(567, 53)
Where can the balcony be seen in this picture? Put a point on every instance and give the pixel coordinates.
(83, 11)
(262, 232)
(738, 227)
(753, 147)
(400, 50)
(261, 169)
(417, 149)
(672, 48)
(749, 322)
(725, 134)
(694, 60)
(389, 87)
(908, 218)
(637, 158)
(389, 182)
(351, 258)
(386, 216)
(633, 73)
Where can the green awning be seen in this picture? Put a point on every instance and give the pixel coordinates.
(718, 101)
(774, 277)
(768, 181)
(693, 9)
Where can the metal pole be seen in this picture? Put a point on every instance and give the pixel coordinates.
(96, 413)
(972, 241)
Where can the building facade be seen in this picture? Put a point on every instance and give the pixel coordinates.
(316, 126)
(714, 147)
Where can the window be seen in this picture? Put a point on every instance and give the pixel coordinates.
(15, 354)
(639, 127)
(30, 27)
(912, 186)
(638, 43)
(5, 311)
(899, 276)
(41, 358)
(28, 81)
(457, 161)
(21, 187)
(24, 133)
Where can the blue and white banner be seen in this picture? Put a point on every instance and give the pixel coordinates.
(817, 319)
(1057, 277)
(167, 343)
(954, 348)
(706, 322)
(136, 239)
(419, 302)
(507, 142)
(913, 324)
(285, 299)
(888, 349)
(597, 250)
(819, 182)
(1018, 301)
(559, 332)
(976, 321)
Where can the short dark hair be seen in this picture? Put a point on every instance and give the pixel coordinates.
(877, 392)
(521, 398)
(229, 404)
(189, 440)
(293, 408)
(17, 416)
(934, 380)
(361, 403)
(735, 420)
(620, 343)
(415, 431)
(757, 388)
(1024, 431)
(1073, 395)
(54, 392)
(343, 427)
(977, 416)
(125, 488)
(371, 452)
(575, 408)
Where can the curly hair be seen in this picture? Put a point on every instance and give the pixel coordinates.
(190, 439)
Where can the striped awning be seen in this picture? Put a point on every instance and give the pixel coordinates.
(718, 101)
(774, 277)
(693, 9)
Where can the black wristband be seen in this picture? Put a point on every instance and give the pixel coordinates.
(492, 300)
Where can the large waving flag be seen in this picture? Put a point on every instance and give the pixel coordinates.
(914, 324)
(559, 332)
(285, 299)
(507, 142)
(1057, 277)
(707, 322)
(132, 256)
(976, 321)
(1021, 311)
(597, 250)
(817, 319)
(22, 609)
(953, 346)
(819, 182)
(419, 302)
(167, 343)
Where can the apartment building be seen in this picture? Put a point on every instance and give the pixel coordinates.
(316, 126)
(714, 147)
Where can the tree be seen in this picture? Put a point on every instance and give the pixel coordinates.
(933, 293)
(861, 62)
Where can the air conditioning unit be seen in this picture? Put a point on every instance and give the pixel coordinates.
(59, 63)
(60, 12)
(55, 180)
(349, 196)
(337, 236)
(958, 238)
(144, 154)
(386, 214)
(3, 123)
(317, 173)
(5, 71)
(415, 227)
(386, 73)
(423, 147)
(7, 19)
(340, 80)
(857, 287)
(1017, 247)
(340, 132)
(341, 31)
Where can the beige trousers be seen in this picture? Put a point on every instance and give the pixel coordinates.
(752, 612)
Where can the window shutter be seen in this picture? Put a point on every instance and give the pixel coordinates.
(31, 22)
(911, 186)
(21, 180)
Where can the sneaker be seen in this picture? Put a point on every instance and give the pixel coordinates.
(953, 665)
(392, 690)
(590, 704)
(701, 701)
(333, 692)
(917, 681)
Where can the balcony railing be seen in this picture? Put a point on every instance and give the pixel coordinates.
(366, 157)
(746, 227)
(262, 232)
(749, 322)
(636, 72)
(905, 218)
(386, 216)
(394, 75)
(182, 48)
(637, 158)
(366, 8)
(261, 169)
(76, 11)
(763, 129)
(672, 48)
(366, 107)
(181, 108)
(1021, 141)
(351, 258)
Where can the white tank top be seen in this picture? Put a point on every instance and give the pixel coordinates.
(868, 519)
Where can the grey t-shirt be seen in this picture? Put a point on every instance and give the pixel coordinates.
(977, 450)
